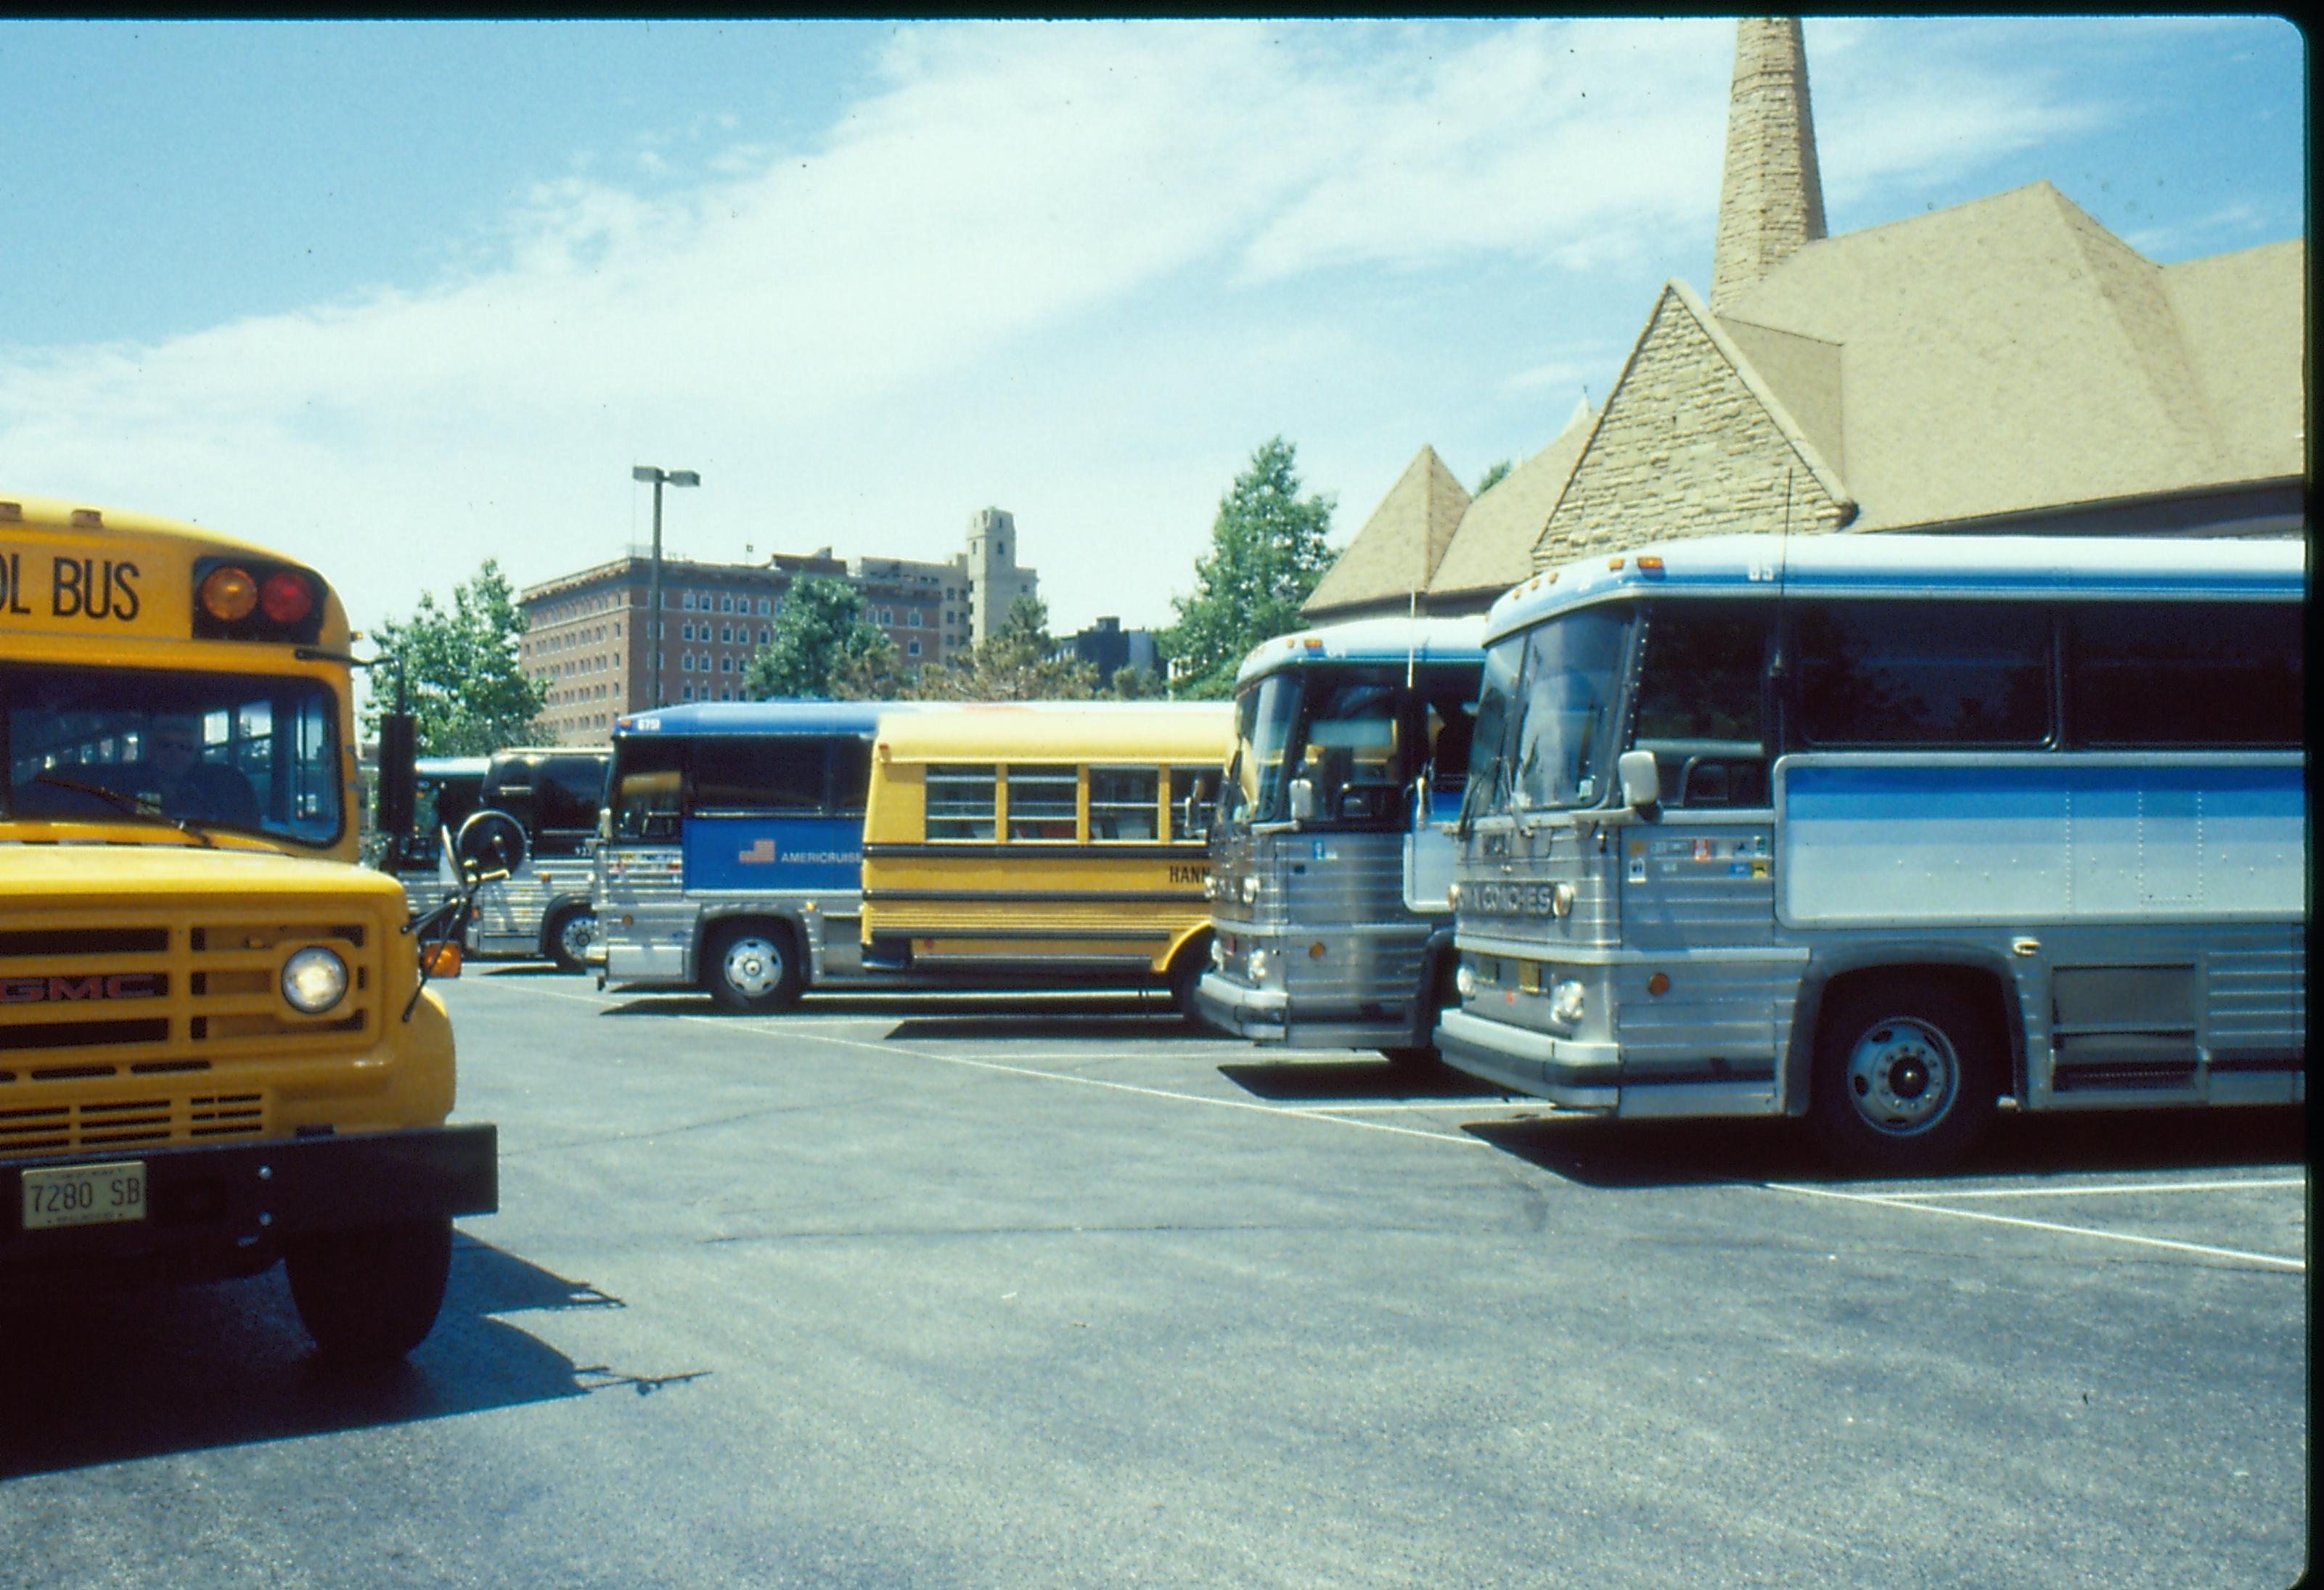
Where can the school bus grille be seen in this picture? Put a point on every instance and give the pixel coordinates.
(123, 1123)
(86, 1005)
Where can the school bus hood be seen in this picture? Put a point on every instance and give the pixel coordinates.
(81, 873)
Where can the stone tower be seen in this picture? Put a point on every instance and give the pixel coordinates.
(994, 577)
(1771, 196)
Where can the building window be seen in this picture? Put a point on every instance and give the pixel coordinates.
(913, 618)
(912, 647)
(690, 692)
(726, 634)
(726, 665)
(764, 607)
(765, 634)
(687, 602)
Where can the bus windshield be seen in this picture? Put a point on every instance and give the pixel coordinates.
(1563, 725)
(1356, 732)
(249, 752)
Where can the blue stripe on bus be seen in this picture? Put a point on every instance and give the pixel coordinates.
(794, 855)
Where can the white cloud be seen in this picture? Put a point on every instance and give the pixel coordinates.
(1077, 271)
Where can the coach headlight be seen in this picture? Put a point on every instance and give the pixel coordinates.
(1258, 965)
(314, 980)
(1567, 1001)
(1250, 888)
(1465, 981)
(1453, 895)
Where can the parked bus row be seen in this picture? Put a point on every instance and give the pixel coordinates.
(1889, 833)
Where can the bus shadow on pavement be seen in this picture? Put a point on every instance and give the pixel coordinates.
(1615, 1153)
(110, 1376)
(1115, 1026)
(1310, 1081)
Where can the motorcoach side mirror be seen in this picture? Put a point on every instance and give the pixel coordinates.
(1642, 783)
(1302, 800)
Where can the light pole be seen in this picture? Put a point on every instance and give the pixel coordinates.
(676, 477)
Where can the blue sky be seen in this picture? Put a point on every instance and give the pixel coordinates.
(396, 297)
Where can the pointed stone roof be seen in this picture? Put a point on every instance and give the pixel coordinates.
(1399, 545)
(1492, 550)
(2011, 356)
(1770, 193)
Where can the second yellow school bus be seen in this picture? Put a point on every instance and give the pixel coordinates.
(1043, 841)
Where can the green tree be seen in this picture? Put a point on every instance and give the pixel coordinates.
(1492, 478)
(1132, 683)
(1013, 663)
(1267, 554)
(823, 647)
(467, 689)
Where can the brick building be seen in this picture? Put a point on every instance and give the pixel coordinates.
(585, 637)
(2007, 365)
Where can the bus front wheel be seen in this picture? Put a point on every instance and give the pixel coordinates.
(1907, 1075)
(371, 1294)
(568, 935)
(751, 969)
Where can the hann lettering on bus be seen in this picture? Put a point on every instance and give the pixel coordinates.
(51, 990)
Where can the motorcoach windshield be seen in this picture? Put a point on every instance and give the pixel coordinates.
(256, 753)
(1549, 713)
(1357, 733)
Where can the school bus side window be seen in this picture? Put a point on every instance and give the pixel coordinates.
(1044, 802)
(1122, 804)
(960, 803)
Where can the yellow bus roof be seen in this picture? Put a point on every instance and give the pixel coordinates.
(55, 513)
(1193, 734)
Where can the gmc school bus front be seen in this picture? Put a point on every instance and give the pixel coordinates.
(215, 1050)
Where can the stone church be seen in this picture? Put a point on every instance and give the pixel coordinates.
(2007, 365)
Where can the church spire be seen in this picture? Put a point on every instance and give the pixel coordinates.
(1771, 196)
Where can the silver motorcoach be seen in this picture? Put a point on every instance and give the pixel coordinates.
(1330, 859)
(537, 821)
(1890, 830)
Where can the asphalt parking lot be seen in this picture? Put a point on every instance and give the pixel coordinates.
(1018, 1290)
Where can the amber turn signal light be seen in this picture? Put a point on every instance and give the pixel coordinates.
(229, 594)
(442, 960)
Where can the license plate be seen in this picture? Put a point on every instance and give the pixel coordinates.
(84, 1195)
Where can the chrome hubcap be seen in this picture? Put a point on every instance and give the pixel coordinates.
(577, 933)
(1903, 1076)
(754, 967)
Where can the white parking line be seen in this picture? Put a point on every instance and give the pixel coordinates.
(2119, 1187)
(1343, 1116)
(1887, 1201)
(894, 1050)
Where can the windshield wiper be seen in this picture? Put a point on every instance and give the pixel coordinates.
(137, 806)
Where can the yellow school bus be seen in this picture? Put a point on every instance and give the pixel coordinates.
(216, 1050)
(1041, 841)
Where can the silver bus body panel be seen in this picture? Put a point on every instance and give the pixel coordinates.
(2142, 917)
(1342, 891)
(652, 930)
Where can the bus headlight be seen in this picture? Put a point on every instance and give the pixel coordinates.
(1567, 1001)
(314, 980)
(1219, 954)
(1258, 965)
(1453, 895)
(1465, 981)
(1250, 888)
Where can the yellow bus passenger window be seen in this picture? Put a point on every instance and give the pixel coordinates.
(1122, 804)
(960, 803)
(1044, 802)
